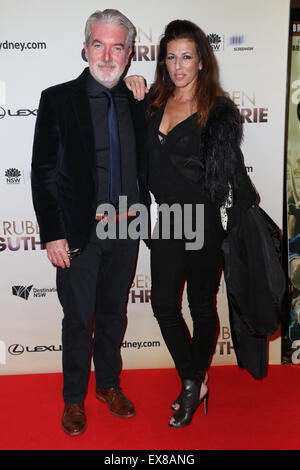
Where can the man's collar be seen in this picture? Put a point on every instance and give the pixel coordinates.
(94, 88)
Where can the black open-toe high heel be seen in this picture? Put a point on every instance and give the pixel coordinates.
(189, 403)
(203, 376)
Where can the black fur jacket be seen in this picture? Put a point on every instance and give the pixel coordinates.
(222, 159)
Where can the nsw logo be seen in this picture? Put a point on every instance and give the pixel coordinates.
(13, 176)
(216, 41)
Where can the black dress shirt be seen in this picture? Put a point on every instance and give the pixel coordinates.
(99, 107)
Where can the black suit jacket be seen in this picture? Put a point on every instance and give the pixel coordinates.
(63, 162)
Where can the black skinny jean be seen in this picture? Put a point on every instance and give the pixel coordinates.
(170, 263)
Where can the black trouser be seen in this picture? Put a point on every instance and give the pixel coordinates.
(170, 263)
(95, 287)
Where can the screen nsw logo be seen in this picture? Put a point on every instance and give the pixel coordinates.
(235, 42)
(238, 43)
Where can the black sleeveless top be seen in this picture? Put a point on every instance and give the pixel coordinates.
(173, 177)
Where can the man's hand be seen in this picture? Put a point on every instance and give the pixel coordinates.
(136, 84)
(57, 252)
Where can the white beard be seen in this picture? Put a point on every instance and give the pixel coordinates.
(107, 77)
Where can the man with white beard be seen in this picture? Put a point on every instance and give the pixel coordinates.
(89, 150)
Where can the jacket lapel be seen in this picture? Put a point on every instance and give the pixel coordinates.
(82, 112)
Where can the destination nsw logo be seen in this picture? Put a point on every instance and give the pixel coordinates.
(24, 291)
(21, 291)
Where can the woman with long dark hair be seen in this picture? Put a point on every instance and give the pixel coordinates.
(194, 160)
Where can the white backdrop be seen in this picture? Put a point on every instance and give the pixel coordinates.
(40, 45)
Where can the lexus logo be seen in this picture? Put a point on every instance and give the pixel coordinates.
(16, 349)
(17, 113)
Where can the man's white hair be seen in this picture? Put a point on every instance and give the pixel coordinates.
(111, 17)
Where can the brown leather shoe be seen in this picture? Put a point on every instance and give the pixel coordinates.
(74, 419)
(117, 403)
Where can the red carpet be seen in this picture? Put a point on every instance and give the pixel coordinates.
(243, 413)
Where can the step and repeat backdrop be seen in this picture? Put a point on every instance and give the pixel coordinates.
(41, 45)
